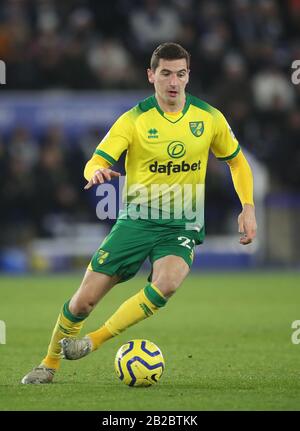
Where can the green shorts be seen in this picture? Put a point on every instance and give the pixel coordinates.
(130, 243)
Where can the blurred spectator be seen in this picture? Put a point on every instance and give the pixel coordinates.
(47, 16)
(233, 85)
(47, 52)
(75, 71)
(23, 146)
(153, 23)
(244, 22)
(55, 192)
(17, 197)
(270, 27)
(294, 17)
(288, 162)
(272, 90)
(111, 64)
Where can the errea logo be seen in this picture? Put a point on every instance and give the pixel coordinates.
(152, 133)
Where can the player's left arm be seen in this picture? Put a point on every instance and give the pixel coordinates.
(226, 148)
(243, 183)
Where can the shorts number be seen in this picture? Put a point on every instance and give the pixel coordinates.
(186, 242)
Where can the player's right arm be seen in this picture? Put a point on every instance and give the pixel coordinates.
(97, 170)
(116, 141)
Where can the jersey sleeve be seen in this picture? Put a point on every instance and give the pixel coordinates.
(116, 140)
(224, 146)
(95, 163)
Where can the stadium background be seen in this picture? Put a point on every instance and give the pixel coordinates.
(72, 67)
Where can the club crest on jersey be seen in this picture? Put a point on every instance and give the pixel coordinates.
(197, 128)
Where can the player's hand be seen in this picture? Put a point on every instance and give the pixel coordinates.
(100, 176)
(247, 224)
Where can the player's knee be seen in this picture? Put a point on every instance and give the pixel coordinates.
(166, 285)
(81, 308)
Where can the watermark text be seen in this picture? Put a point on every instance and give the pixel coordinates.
(296, 334)
(2, 72)
(296, 74)
(2, 332)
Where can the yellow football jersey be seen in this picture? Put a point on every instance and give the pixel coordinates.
(166, 158)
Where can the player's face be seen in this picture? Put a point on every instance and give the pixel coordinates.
(170, 79)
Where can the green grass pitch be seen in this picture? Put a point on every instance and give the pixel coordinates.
(226, 339)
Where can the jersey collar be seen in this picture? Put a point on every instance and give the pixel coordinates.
(185, 108)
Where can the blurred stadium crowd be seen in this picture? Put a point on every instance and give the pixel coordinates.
(242, 53)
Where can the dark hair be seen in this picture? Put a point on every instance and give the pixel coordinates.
(169, 51)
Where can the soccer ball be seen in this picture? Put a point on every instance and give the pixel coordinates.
(139, 363)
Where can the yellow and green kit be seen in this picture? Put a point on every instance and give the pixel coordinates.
(166, 161)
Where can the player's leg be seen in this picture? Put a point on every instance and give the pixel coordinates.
(171, 262)
(70, 321)
(95, 286)
(123, 253)
(135, 309)
(138, 307)
(168, 274)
